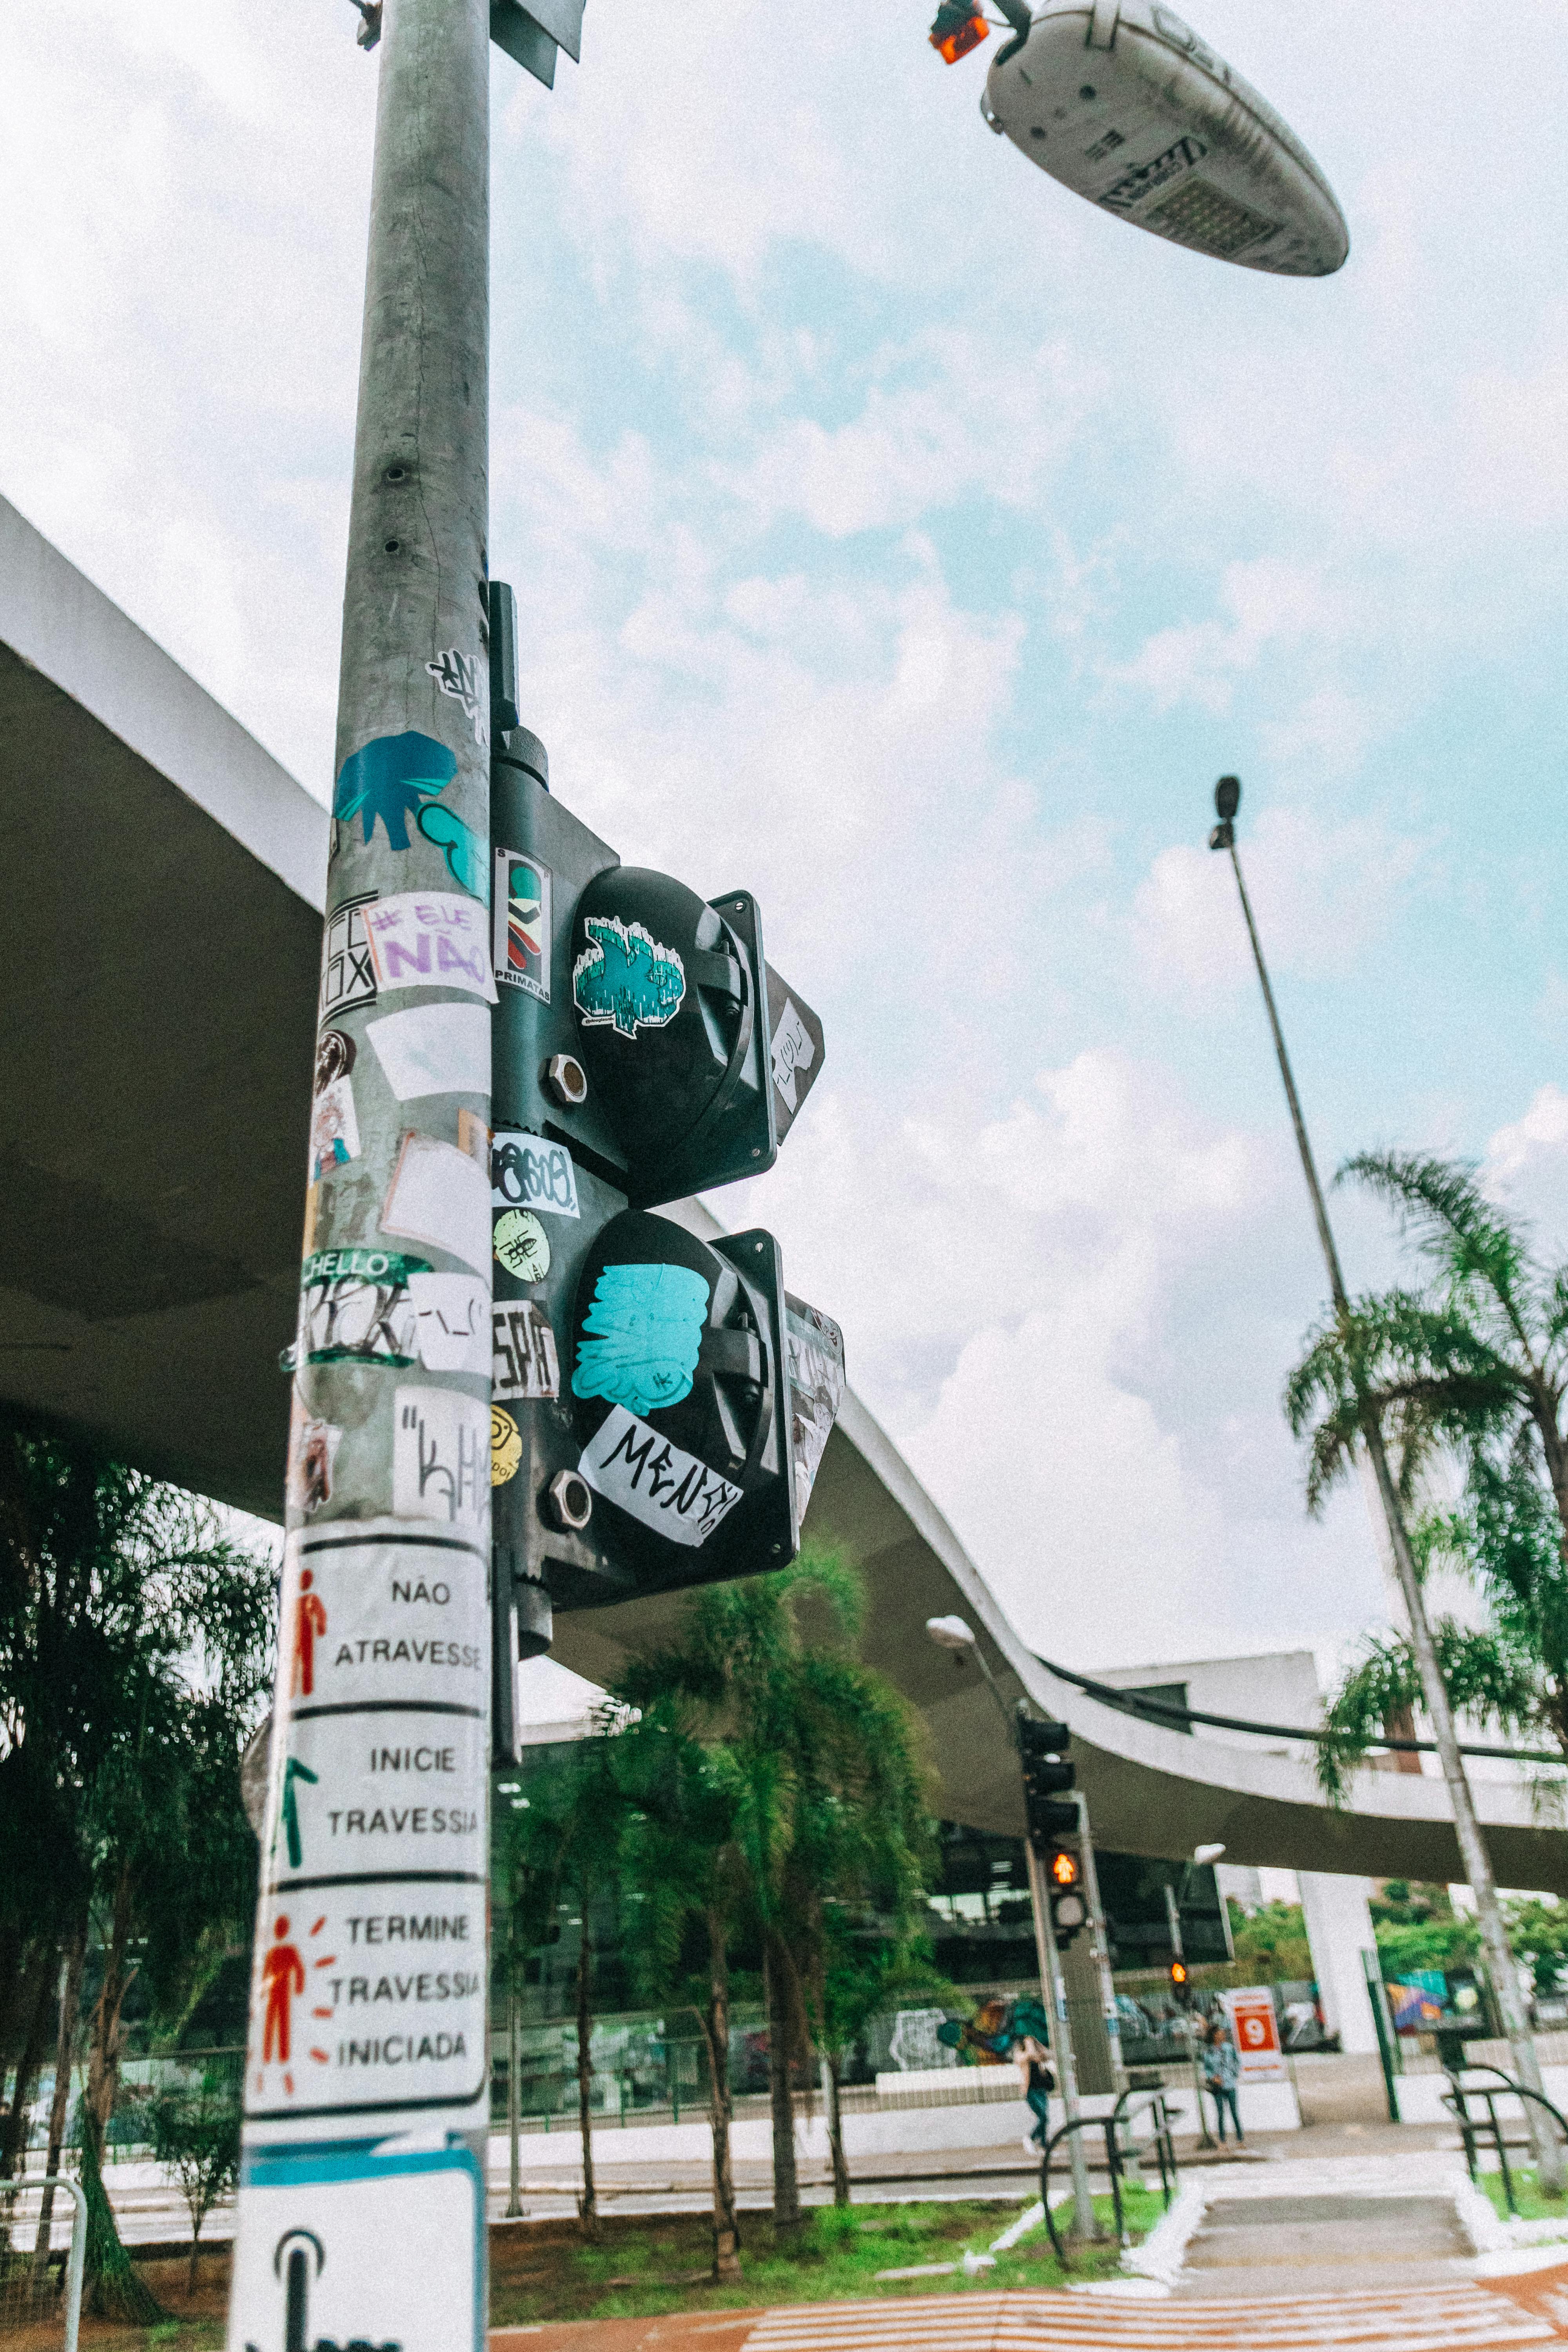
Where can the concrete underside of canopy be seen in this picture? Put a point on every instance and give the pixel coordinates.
(159, 972)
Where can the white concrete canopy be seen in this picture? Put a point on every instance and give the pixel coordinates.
(159, 970)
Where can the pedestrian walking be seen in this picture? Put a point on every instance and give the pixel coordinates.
(1222, 2073)
(1038, 2083)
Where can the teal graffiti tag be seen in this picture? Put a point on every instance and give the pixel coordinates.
(646, 1329)
(398, 777)
(446, 828)
(624, 977)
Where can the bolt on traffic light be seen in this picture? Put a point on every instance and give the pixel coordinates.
(661, 1403)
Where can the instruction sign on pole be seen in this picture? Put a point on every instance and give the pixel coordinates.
(1255, 2030)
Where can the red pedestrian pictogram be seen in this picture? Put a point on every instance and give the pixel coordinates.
(310, 1619)
(283, 1973)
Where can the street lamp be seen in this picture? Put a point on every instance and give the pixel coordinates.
(1122, 102)
(1434, 1690)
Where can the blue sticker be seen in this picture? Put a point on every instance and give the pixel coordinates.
(624, 977)
(646, 1324)
(397, 777)
(446, 828)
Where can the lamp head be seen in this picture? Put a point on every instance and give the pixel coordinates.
(951, 1633)
(1203, 1854)
(1226, 798)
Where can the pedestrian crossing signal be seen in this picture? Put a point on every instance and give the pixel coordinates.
(1064, 1868)
(1181, 1979)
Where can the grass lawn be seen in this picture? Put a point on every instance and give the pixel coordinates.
(1533, 2206)
(544, 2272)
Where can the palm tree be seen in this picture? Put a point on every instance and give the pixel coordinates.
(1472, 1363)
(560, 1839)
(685, 1891)
(818, 1759)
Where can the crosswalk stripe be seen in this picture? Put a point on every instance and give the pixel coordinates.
(1440, 2320)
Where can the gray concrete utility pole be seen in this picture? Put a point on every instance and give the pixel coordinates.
(1549, 2155)
(362, 2200)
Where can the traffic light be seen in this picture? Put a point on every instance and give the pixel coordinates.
(1046, 1777)
(661, 1403)
(1181, 1980)
(1069, 1912)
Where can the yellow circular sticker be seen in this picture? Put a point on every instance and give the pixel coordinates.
(522, 1245)
(506, 1446)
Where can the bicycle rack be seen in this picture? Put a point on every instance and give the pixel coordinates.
(1114, 2126)
(1472, 2128)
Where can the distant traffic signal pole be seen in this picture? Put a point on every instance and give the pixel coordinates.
(1549, 2154)
(955, 1633)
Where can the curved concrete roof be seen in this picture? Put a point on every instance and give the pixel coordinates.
(159, 970)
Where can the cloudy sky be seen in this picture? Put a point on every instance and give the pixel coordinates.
(900, 538)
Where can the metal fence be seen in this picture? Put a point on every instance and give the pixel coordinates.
(43, 2251)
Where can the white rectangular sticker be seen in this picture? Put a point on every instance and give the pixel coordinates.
(439, 1195)
(527, 1172)
(310, 2262)
(441, 1458)
(374, 1998)
(454, 1321)
(670, 1491)
(429, 939)
(526, 1364)
(398, 1614)
(434, 1049)
(793, 1051)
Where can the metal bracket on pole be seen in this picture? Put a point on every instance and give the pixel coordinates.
(531, 36)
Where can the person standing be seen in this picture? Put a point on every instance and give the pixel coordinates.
(1222, 2073)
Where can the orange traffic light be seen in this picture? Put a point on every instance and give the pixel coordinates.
(1064, 1868)
(964, 37)
(1178, 1973)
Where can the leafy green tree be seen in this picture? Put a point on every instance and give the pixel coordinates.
(685, 1893)
(1271, 1944)
(1538, 1930)
(195, 2135)
(820, 1759)
(135, 1639)
(1472, 1363)
(561, 1841)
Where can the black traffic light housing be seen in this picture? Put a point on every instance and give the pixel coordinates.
(646, 1433)
(1048, 1776)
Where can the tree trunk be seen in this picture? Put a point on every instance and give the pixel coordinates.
(834, 2127)
(35, 2005)
(589, 2208)
(13, 1973)
(59, 2106)
(106, 2043)
(721, 2106)
(786, 2188)
(115, 2288)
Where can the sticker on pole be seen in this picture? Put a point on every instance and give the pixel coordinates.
(311, 2264)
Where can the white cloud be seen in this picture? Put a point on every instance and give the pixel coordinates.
(1266, 603)
(1321, 892)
